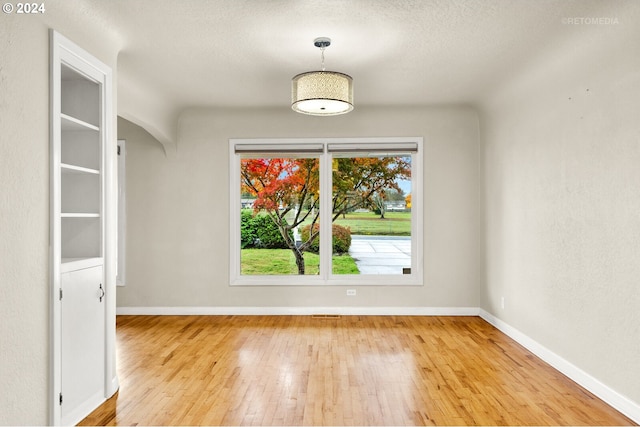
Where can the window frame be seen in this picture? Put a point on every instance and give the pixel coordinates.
(239, 147)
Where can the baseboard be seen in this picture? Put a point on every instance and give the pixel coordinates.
(82, 410)
(265, 311)
(113, 386)
(616, 400)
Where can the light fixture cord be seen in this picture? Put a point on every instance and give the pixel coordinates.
(322, 56)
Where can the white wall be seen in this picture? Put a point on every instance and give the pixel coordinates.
(561, 146)
(178, 214)
(24, 221)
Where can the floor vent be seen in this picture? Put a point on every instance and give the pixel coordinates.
(325, 316)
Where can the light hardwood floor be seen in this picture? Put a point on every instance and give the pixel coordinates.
(353, 370)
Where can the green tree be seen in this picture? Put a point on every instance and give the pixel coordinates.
(381, 197)
(364, 182)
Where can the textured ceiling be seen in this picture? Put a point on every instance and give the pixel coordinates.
(243, 53)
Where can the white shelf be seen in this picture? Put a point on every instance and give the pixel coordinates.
(72, 124)
(67, 168)
(73, 264)
(79, 215)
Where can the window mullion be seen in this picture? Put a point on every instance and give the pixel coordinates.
(325, 216)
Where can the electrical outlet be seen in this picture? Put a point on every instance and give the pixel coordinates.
(502, 302)
(351, 292)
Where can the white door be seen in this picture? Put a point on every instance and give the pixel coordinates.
(83, 343)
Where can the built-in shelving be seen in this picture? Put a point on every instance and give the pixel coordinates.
(82, 311)
(81, 166)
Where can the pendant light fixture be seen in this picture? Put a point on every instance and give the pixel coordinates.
(322, 93)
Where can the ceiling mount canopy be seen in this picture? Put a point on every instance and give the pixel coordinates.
(322, 93)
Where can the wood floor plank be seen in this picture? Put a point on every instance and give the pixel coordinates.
(351, 370)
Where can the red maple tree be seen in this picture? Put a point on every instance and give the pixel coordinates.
(282, 186)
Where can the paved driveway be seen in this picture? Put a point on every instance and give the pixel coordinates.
(381, 254)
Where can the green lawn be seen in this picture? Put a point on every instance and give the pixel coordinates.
(282, 261)
(368, 223)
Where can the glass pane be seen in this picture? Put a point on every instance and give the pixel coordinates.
(279, 216)
(372, 203)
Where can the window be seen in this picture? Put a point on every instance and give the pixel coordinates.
(367, 191)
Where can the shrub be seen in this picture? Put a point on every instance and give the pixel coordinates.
(304, 235)
(248, 234)
(341, 238)
(259, 231)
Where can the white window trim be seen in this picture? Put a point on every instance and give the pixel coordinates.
(288, 145)
(122, 213)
